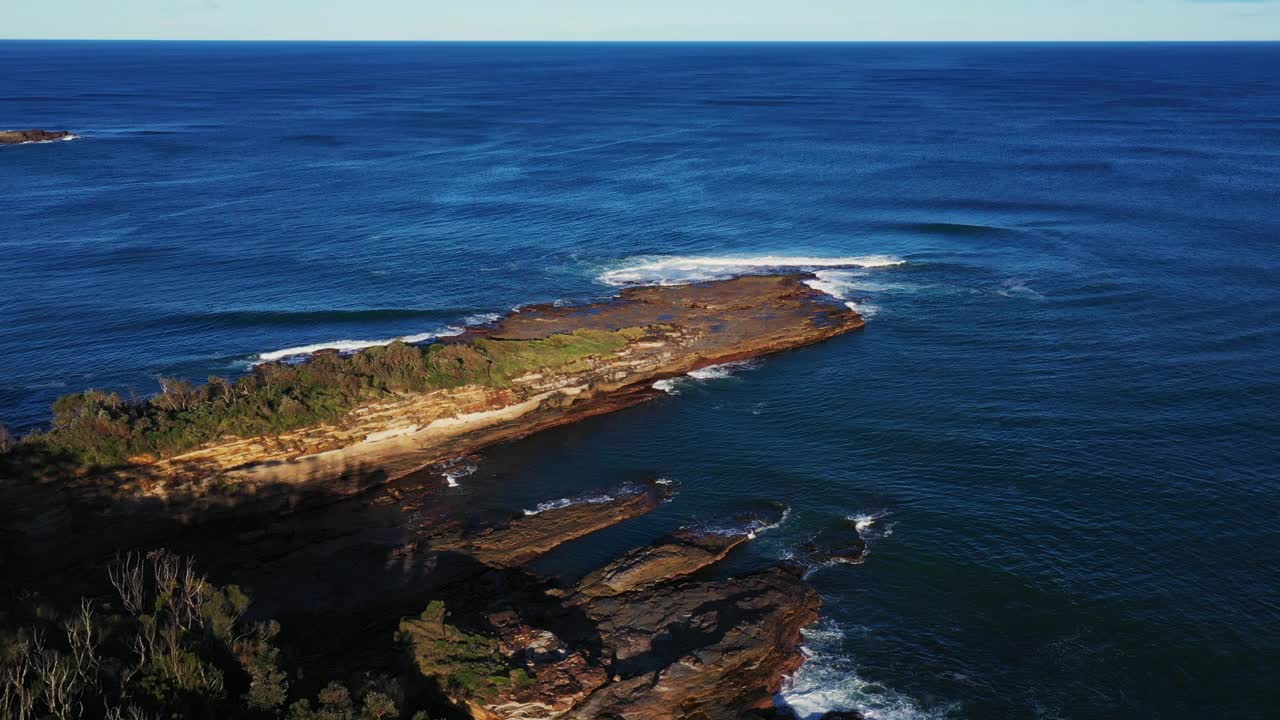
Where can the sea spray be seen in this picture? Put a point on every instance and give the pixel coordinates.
(666, 486)
(710, 372)
(830, 680)
(350, 346)
(677, 270)
(454, 470)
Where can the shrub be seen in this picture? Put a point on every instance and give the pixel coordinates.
(465, 664)
(170, 654)
(101, 429)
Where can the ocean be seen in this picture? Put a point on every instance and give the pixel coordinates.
(1059, 429)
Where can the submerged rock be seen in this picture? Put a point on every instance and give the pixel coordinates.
(524, 537)
(17, 137)
(835, 545)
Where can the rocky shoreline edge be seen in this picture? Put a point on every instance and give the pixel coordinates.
(657, 633)
(512, 378)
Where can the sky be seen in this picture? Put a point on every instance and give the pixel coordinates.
(786, 20)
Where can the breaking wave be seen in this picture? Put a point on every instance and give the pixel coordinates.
(845, 285)
(710, 372)
(482, 319)
(868, 524)
(348, 346)
(456, 469)
(668, 386)
(597, 498)
(829, 680)
(751, 527)
(723, 370)
(674, 270)
(568, 502)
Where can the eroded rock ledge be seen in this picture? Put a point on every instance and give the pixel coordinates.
(642, 638)
(653, 332)
(670, 331)
(657, 332)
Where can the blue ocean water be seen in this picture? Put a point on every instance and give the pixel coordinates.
(1059, 427)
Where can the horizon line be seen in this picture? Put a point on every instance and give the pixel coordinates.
(659, 42)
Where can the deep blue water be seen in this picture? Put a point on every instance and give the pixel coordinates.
(1062, 414)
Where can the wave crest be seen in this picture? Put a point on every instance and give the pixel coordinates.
(829, 681)
(710, 372)
(663, 485)
(677, 270)
(348, 346)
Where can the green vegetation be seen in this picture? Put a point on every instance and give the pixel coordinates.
(100, 429)
(175, 647)
(465, 664)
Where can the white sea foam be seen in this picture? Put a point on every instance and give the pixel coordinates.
(456, 469)
(846, 285)
(869, 526)
(710, 372)
(570, 502)
(676, 270)
(596, 498)
(752, 528)
(829, 680)
(862, 522)
(836, 283)
(482, 318)
(348, 346)
(667, 386)
(723, 370)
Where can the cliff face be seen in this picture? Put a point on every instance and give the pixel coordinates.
(673, 330)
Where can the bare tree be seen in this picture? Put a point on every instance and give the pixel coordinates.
(128, 575)
(17, 700)
(58, 682)
(82, 639)
(130, 713)
(168, 596)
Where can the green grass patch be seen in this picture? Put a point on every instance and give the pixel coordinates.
(97, 429)
(466, 664)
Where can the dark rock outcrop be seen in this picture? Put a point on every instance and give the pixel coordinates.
(522, 538)
(684, 553)
(17, 137)
(835, 545)
(700, 650)
(638, 639)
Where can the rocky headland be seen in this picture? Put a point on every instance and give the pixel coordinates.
(405, 407)
(314, 517)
